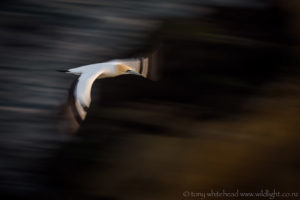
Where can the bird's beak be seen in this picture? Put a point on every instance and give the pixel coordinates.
(133, 72)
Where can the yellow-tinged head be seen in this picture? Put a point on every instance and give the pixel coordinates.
(124, 69)
(121, 68)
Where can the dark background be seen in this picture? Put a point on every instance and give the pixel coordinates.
(221, 110)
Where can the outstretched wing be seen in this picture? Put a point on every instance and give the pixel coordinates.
(82, 92)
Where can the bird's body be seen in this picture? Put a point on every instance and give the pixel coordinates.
(81, 92)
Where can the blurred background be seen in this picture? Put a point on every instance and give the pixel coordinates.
(219, 108)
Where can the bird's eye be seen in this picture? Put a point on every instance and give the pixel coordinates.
(128, 70)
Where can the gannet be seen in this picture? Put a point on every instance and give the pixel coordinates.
(80, 92)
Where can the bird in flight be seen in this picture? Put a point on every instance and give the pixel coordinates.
(80, 92)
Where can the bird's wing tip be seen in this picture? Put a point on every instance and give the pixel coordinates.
(62, 70)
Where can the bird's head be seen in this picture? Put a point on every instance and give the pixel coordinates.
(117, 70)
(124, 69)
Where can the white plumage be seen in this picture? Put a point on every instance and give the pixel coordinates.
(89, 73)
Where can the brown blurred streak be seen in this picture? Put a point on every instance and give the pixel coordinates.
(260, 150)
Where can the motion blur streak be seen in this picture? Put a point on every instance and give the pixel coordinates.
(219, 108)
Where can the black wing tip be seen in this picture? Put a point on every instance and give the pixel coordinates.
(62, 70)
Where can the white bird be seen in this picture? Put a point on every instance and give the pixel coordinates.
(81, 90)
